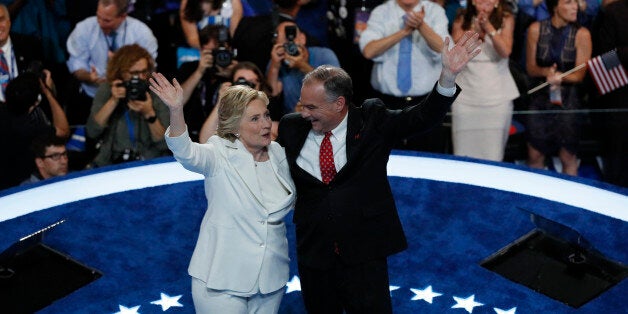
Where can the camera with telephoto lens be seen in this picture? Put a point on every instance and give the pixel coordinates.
(223, 54)
(136, 88)
(243, 81)
(291, 47)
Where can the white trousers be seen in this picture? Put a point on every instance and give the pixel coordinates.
(207, 301)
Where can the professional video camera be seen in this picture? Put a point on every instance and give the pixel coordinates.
(290, 46)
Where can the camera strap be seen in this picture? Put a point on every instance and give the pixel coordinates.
(131, 127)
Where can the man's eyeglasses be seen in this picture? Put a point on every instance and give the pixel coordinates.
(57, 156)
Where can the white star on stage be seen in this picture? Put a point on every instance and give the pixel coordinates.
(392, 288)
(426, 294)
(128, 310)
(500, 311)
(293, 285)
(467, 304)
(167, 302)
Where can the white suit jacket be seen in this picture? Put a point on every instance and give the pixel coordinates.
(240, 240)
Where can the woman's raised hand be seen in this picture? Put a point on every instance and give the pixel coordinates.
(170, 93)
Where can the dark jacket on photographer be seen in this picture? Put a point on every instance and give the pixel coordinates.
(127, 136)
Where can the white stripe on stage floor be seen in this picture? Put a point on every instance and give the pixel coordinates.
(448, 170)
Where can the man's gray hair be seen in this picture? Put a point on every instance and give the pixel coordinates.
(336, 82)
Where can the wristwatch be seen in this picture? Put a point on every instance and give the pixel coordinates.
(151, 119)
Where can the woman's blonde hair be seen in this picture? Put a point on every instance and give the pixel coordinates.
(232, 106)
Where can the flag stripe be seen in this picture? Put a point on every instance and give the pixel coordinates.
(613, 80)
(623, 75)
(602, 79)
(599, 67)
(616, 76)
(598, 76)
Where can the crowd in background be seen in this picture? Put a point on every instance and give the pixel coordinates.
(75, 72)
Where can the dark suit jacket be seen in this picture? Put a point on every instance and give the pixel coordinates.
(27, 49)
(356, 210)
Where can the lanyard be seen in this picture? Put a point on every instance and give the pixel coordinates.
(131, 127)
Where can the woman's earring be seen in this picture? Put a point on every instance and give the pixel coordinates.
(496, 5)
(237, 135)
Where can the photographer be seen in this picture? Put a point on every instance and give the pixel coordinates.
(22, 119)
(202, 78)
(126, 119)
(244, 73)
(290, 60)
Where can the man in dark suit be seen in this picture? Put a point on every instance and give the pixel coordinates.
(345, 215)
(20, 51)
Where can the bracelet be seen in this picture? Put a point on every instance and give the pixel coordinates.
(493, 33)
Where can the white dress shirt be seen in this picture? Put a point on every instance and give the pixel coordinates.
(308, 159)
(387, 19)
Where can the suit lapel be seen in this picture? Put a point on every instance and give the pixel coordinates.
(300, 136)
(243, 164)
(277, 158)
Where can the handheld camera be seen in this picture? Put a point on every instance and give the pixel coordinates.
(290, 46)
(223, 54)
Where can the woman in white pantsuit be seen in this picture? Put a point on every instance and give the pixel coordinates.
(240, 263)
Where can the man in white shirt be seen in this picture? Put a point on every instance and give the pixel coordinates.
(414, 29)
(91, 44)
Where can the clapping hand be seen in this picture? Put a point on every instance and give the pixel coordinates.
(414, 20)
(456, 58)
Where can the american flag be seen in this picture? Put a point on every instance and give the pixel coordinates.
(607, 72)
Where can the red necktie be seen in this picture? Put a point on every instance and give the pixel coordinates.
(326, 159)
(4, 70)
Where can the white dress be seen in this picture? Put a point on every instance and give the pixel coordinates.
(482, 113)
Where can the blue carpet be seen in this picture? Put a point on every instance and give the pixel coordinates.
(142, 241)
